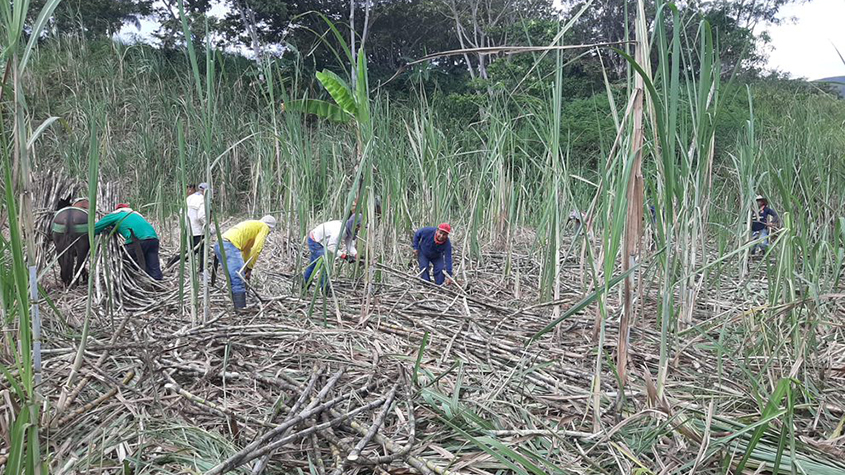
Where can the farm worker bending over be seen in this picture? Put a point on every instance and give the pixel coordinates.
(761, 224)
(243, 244)
(432, 246)
(141, 238)
(327, 236)
(196, 222)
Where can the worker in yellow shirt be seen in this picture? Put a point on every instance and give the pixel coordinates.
(243, 244)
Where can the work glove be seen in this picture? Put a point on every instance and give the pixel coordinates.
(416, 253)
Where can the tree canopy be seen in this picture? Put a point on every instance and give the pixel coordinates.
(398, 31)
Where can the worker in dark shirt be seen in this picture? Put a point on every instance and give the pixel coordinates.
(763, 219)
(433, 248)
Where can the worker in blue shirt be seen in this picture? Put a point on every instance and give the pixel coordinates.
(433, 248)
(763, 219)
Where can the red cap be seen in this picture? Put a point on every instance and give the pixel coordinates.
(122, 205)
(445, 228)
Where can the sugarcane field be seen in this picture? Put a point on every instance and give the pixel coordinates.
(435, 237)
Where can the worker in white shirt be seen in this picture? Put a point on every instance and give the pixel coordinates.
(196, 222)
(327, 236)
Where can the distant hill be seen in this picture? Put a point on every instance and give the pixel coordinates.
(838, 82)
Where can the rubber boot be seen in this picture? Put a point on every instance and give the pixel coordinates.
(239, 298)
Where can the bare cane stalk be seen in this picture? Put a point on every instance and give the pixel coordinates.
(356, 452)
(91, 405)
(315, 373)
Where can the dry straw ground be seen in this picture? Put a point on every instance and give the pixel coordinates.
(428, 380)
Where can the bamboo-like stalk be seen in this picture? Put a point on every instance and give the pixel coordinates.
(634, 214)
(305, 433)
(315, 374)
(379, 420)
(244, 455)
(91, 405)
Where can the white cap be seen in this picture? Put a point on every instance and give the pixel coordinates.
(575, 214)
(269, 221)
(759, 197)
(203, 186)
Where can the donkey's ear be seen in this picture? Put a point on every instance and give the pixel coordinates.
(63, 203)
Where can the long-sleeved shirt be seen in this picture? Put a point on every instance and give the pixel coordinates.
(424, 243)
(248, 236)
(196, 213)
(760, 218)
(328, 235)
(126, 222)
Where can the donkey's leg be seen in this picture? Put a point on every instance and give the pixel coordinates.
(65, 257)
(81, 250)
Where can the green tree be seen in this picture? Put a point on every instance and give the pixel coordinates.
(96, 18)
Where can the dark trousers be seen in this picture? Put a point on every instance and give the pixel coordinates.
(198, 245)
(438, 263)
(149, 247)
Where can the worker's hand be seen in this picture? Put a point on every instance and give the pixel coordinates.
(248, 273)
(416, 253)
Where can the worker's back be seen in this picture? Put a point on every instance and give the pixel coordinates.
(196, 213)
(128, 223)
(243, 234)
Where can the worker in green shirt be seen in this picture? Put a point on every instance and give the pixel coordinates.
(141, 239)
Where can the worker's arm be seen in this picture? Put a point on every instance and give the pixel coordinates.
(416, 243)
(257, 246)
(448, 256)
(350, 246)
(106, 221)
(775, 218)
(201, 214)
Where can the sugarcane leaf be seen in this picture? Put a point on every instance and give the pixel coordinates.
(15, 461)
(13, 382)
(504, 454)
(41, 128)
(322, 109)
(362, 97)
(771, 409)
(584, 303)
(420, 353)
(35, 33)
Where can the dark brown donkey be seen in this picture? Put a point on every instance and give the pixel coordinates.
(70, 235)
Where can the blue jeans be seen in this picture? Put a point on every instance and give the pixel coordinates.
(439, 263)
(234, 263)
(317, 251)
(764, 244)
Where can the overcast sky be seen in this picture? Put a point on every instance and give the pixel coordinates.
(805, 48)
(802, 48)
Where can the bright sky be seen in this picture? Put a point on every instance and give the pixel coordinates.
(805, 48)
(802, 48)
